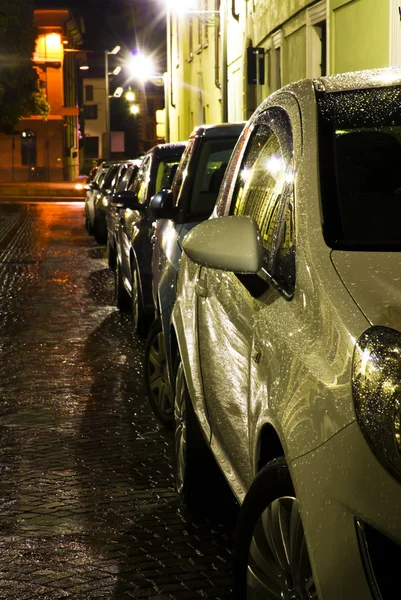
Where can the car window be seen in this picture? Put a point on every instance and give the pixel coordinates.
(210, 169)
(99, 180)
(360, 168)
(182, 172)
(264, 191)
(109, 177)
(165, 174)
(125, 181)
(141, 182)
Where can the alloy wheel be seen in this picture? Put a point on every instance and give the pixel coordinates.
(159, 381)
(278, 563)
(180, 435)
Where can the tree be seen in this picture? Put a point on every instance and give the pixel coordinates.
(20, 94)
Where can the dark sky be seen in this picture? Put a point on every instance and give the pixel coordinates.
(131, 24)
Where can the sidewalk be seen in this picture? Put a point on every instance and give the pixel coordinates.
(44, 189)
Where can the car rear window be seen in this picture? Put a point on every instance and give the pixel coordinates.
(360, 168)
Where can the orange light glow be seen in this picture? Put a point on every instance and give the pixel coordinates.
(48, 48)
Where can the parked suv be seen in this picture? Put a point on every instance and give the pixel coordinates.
(287, 342)
(133, 276)
(190, 201)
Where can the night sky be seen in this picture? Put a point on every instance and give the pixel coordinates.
(132, 24)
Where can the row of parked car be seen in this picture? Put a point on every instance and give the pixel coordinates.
(266, 275)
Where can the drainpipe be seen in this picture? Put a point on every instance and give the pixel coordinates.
(223, 33)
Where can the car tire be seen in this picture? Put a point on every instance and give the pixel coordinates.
(158, 386)
(88, 224)
(140, 320)
(98, 233)
(196, 470)
(121, 296)
(270, 557)
(111, 256)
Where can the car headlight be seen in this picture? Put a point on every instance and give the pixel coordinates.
(376, 386)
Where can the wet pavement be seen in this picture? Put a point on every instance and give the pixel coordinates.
(88, 508)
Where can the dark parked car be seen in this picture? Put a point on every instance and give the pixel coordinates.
(96, 189)
(190, 201)
(128, 172)
(133, 275)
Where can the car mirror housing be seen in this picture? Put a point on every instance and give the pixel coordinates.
(227, 243)
(162, 205)
(129, 200)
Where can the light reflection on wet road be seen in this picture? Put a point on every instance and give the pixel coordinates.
(88, 508)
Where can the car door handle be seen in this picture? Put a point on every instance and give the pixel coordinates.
(201, 288)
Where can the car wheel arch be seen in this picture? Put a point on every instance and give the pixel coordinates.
(268, 447)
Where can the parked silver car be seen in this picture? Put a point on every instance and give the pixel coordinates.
(287, 338)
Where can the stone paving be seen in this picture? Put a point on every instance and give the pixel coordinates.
(88, 508)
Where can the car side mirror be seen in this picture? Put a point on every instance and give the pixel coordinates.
(129, 200)
(94, 185)
(228, 243)
(162, 205)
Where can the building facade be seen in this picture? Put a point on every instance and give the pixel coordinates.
(94, 115)
(226, 56)
(48, 150)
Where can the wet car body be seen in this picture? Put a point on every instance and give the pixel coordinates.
(190, 201)
(114, 207)
(102, 200)
(288, 340)
(134, 246)
(93, 189)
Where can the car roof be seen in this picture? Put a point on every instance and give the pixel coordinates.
(171, 149)
(218, 130)
(360, 80)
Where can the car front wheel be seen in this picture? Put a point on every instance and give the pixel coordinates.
(196, 471)
(157, 381)
(121, 296)
(271, 558)
(140, 320)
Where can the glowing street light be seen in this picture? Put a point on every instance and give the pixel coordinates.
(130, 96)
(141, 67)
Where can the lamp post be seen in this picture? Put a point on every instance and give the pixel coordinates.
(115, 50)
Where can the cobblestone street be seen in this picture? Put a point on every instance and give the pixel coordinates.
(88, 504)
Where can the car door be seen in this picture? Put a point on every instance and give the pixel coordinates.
(228, 305)
(131, 220)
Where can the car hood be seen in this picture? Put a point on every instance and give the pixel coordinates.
(374, 281)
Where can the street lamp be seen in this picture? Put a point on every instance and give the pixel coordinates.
(115, 50)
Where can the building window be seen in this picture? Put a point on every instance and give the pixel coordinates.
(28, 147)
(90, 111)
(89, 93)
(316, 41)
(91, 147)
(276, 61)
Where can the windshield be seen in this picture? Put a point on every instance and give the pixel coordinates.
(360, 168)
